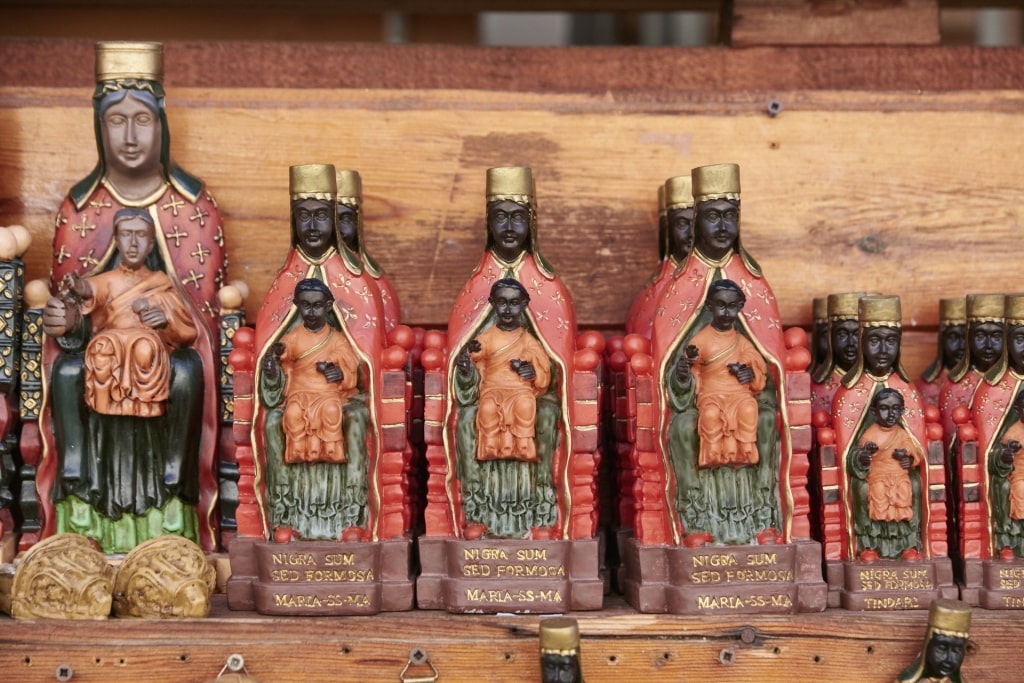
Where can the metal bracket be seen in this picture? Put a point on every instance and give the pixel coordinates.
(418, 657)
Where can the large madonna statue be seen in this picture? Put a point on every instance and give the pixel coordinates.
(129, 423)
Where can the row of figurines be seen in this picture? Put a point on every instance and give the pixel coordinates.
(329, 415)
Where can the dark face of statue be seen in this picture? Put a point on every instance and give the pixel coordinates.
(313, 222)
(347, 226)
(820, 342)
(986, 344)
(559, 669)
(313, 307)
(131, 138)
(680, 232)
(881, 348)
(134, 238)
(509, 304)
(509, 227)
(943, 655)
(725, 306)
(1015, 347)
(845, 343)
(953, 342)
(888, 410)
(718, 227)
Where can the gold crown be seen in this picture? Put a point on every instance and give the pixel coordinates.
(123, 60)
(950, 617)
(819, 309)
(350, 186)
(559, 635)
(312, 181)
(679, 192)
(1014, 310)
(512, 183)
(953, 311)
(845, 306)
(986, 307)
(880, 311)
(662, 209)
(717, 181)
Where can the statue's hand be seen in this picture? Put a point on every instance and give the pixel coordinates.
(523, 368)
(683, 370)
(474, 346)
(1009, 450)
(866, 453)
(77, 286)
(271, 365)
(904, 457)
(463, 362)
(151, 316)
(743, 373)
(331, 372)
(59, 317)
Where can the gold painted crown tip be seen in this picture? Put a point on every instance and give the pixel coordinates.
(952, 617)
(985, 306)
(559, 634)
(953, 311)
(844, 305)
(717, 181)
(1014, 310)
(350, 184)
(509, 181)
(118, 60)
(679, 192)
(312, 179)
(880, 309)
(819, 308)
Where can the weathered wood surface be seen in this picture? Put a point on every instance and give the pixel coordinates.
(834, 22)
(906, 193)
(616, 644)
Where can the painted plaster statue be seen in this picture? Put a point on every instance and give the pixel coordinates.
(318, 372)
(878, 368)
(350, 229)
(944, 647)
(135, 172)
(1007, 485)
(741, 504)
(983, 351)
(560, 651)
(842, 337)
(885, 480)
(127, 397)
(952, 346)
(675, 240)
(534, 500)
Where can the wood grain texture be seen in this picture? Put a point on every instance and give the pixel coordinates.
(669, 73)
(834, 22)
(615, 644)
(900, 193)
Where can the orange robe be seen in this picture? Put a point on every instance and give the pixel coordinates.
(890, 494)
(1016, 433)
(507, 414)
(313, 406)
(727, 410)
(127, 364)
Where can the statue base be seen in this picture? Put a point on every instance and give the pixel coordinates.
(489, 576)
(994, 584)
(887, 585)
(783, 578)
(320, 578)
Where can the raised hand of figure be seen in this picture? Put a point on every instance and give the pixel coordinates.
(1009, 450)
(75, 286)
(272, 361)
(866, 453)
(331, 372)
(60, 316)
(904, 457)
(463, 362)
(523, 368)
(151, 316)
(743, 373)
(685, 361)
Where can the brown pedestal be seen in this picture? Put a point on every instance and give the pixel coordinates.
(507, 575)
(762, 579)
(994, 583)
(311, 578)
(885, 585)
